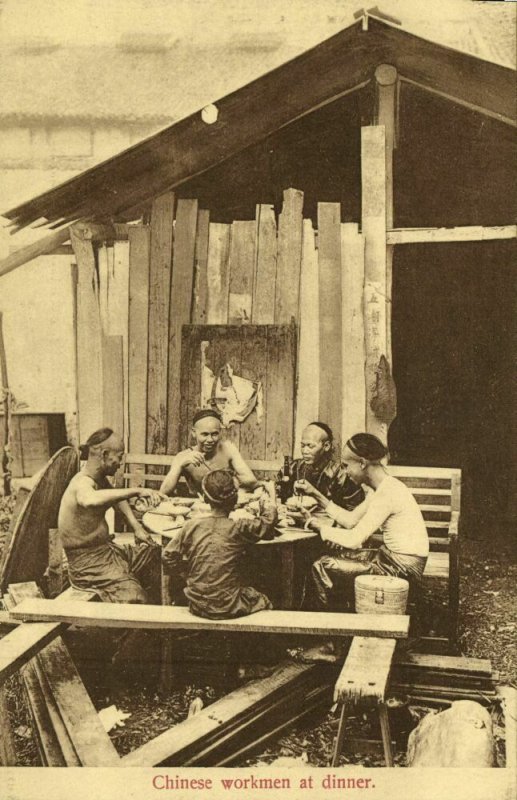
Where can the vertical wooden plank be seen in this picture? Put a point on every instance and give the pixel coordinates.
(187, 356)
(308, 379)
(373, 192)
(200, 300)
(329, 262)
(34, 442)
(242, 267)
(254, 368)
(279, 394)
(55, 563)
(113, 382)
(139, 241)
(7, 749)
(180, 308)
(353, 355)
(218, 273)
(386, 79)
(102, 268)
(88, 337)
(118, 304)
(263, 305)
(287, 288)
(159, 293)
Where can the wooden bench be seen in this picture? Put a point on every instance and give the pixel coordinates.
(437, 490)
(153, 617)
(364, 679)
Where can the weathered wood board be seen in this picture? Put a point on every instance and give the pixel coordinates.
(126, 615)
(265, 353)
(139, 241)
(26, 556)
(159, 292)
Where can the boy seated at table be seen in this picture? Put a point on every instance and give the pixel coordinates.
(214, 547)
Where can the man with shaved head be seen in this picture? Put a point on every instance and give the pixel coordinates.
(319, 468)
(94, 561)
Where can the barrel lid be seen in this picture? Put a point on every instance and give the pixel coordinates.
(386, 582)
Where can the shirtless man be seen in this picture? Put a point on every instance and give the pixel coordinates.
(208, 453)
(94, 561)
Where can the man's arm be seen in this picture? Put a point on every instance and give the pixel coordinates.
(243, 473)
(253, 530)
(141, 534)
(90, 497)
(354, 538)
(180, 461)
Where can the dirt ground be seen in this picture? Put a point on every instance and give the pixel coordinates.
(488, 629)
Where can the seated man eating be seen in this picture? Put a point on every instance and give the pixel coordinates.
(209, 453)
(318, 467)
(390, 507)
(214, 547)
(94, 562)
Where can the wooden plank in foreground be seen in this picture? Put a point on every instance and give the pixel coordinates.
(126, 615)
(25, 641)
(217, 719)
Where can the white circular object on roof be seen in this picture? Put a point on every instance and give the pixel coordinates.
(209, 114)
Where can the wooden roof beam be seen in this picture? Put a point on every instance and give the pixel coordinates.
(468, 233)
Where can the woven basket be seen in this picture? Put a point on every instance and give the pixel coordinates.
(380, 594)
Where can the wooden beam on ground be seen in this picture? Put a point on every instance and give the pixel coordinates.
(162, 217)
(61, 682)
(179, 310)
(25, 641)
(373, 193)
(7, 748)
(231, 713)
(308, 380)
(88, 338)
(467, 233)
(263, 306)
(242, 269)
(138, 327)
(287, 289)
(353, 354)
(218, 273)
(28, 253)
(200, 300)
(126, 615)
(330, 311)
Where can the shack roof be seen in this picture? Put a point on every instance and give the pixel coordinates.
(121, 186)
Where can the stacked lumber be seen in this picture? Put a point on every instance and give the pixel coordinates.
(443, 679)
(242, 721)
(66, 726)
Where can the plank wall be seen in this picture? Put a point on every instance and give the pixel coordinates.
(272, 271)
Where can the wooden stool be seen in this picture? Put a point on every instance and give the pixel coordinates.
(364, 678)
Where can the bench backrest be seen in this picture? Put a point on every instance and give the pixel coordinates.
(437, 490)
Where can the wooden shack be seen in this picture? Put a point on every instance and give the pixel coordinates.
(342, 221)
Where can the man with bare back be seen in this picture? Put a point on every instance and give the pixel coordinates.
(209, 453)
(95, 563)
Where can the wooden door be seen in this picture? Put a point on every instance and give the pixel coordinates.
(264, 354)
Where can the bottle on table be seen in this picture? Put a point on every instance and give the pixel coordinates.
(283, 489)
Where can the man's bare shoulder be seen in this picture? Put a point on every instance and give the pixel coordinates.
(81, 481)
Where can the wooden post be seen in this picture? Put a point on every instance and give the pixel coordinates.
(139, 239)
(353, 355)
(7, 749)
(329, 261)
(159, 292)
(387, 86)
(373, 182)
(89, 336)
(179, 310)
(308, 383)
(55, 563)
